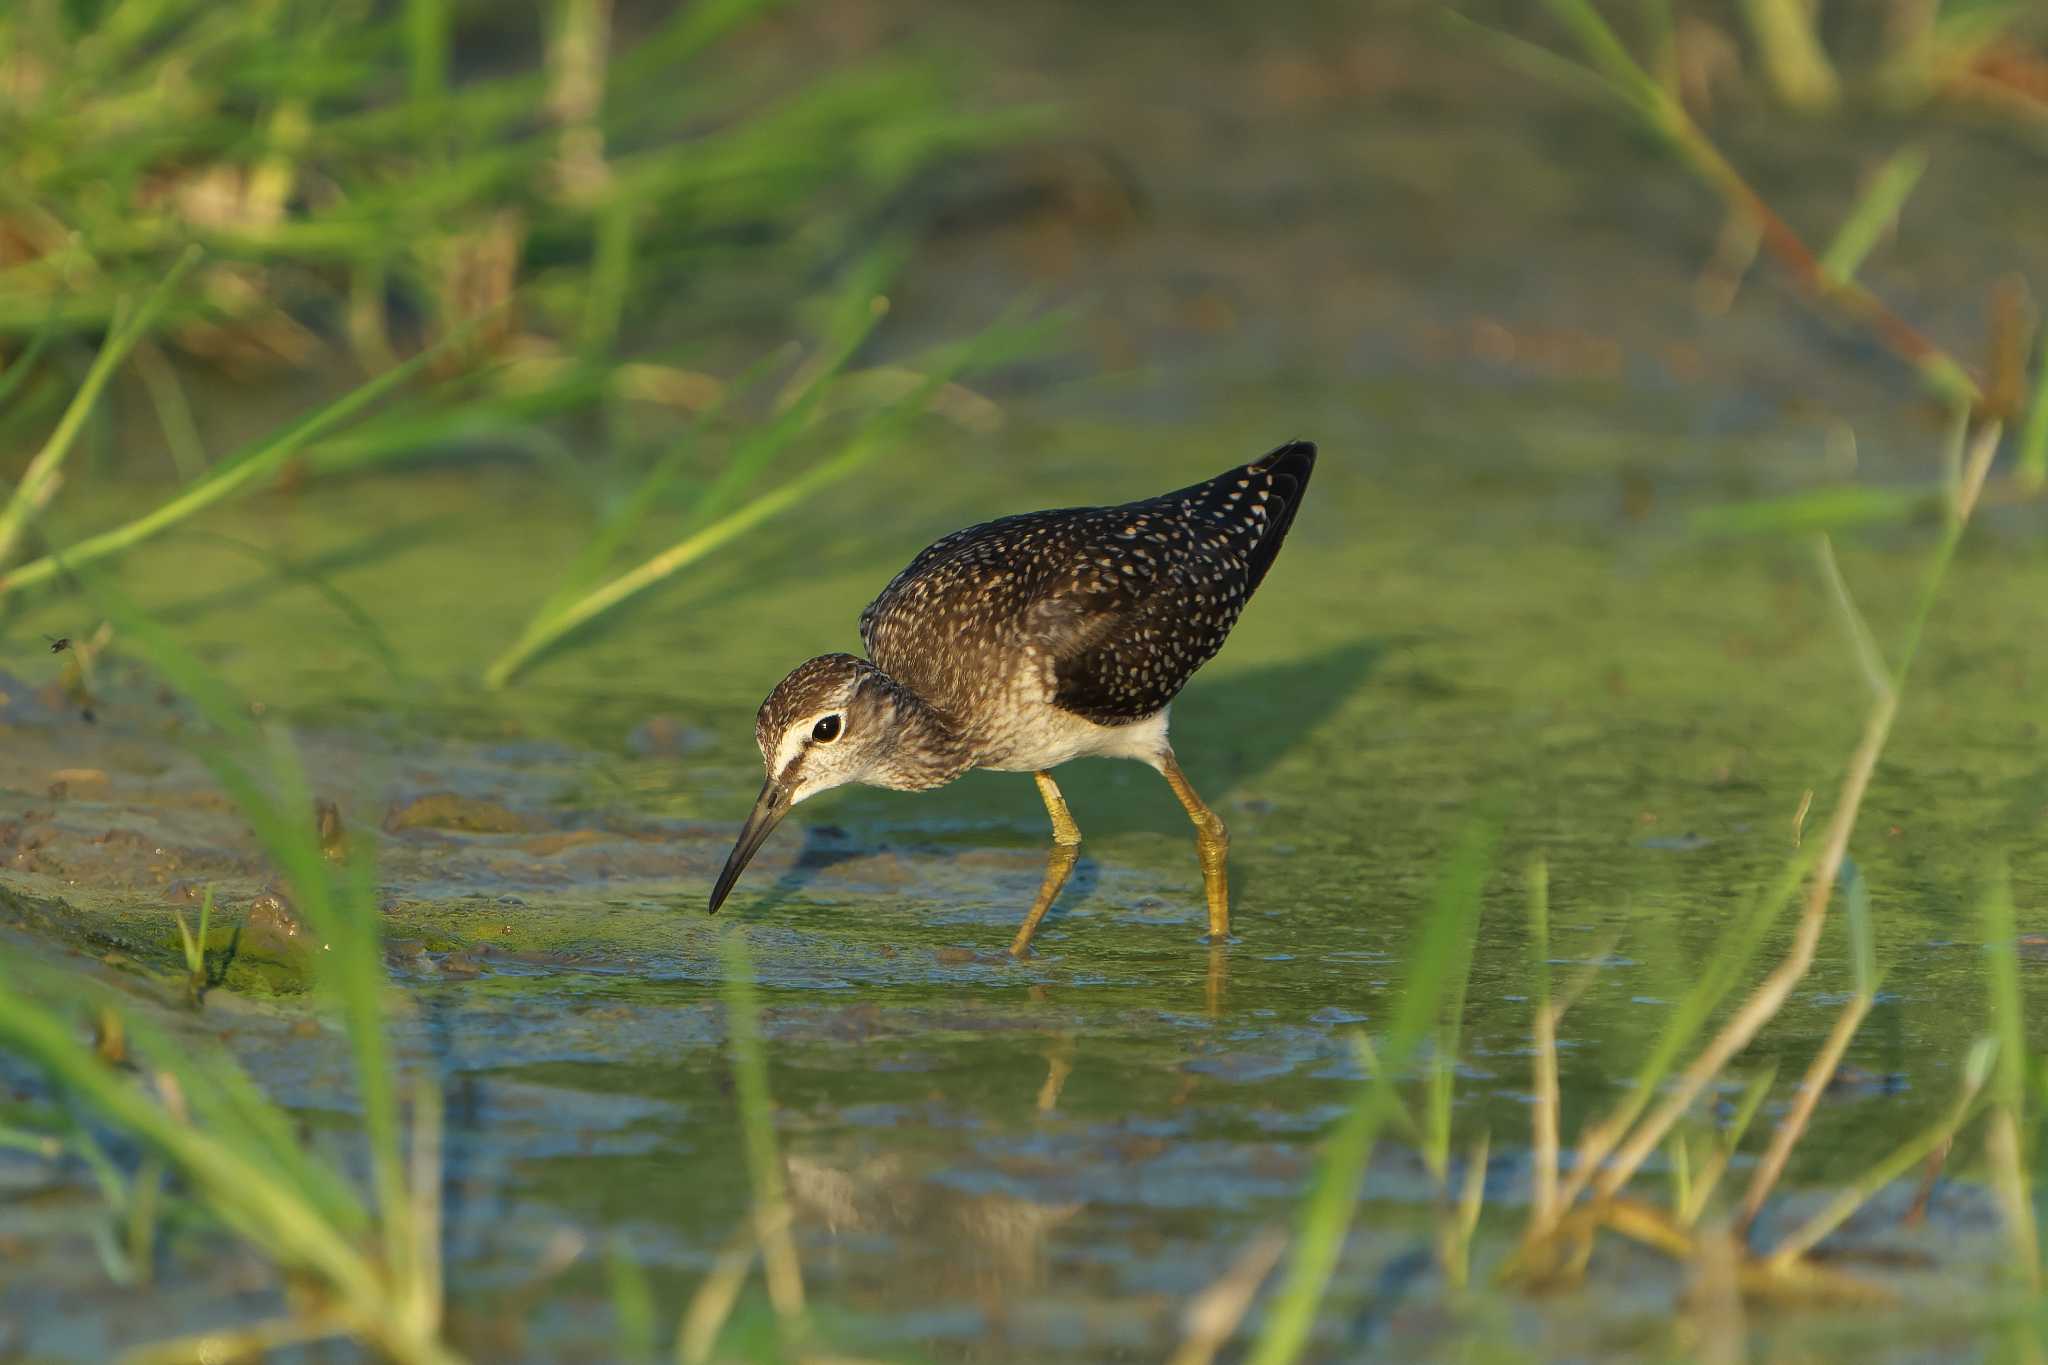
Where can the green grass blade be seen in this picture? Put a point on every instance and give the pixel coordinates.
(757, 1133)
(249, 1196)
(2008, 1019)
(38, 480)
(24, 364)
(1797, 65)
(228, 477)
(1442, 952)
(1606, 54)
(632, 1302)
(1535, 60)
(2032, 461)
(1820, 509)
(1873, 214)
(2008, 1142)
(869, 439)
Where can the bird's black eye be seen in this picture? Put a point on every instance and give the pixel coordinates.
(826, 730)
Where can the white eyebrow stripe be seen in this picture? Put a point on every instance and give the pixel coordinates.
(792, 745)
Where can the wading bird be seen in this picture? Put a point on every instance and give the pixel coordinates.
(1022, 643)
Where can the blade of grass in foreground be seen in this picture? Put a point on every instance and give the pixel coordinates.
(261, 772)
(2005, 1140)
(1791, 1128)
(1876, 211)
(1543, 1116)
(853, 317)
(39, 480)
(772, 1214)
(1443, 949)
(2033, 451)
(230, 476)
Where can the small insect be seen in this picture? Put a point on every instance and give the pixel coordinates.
(58, 643)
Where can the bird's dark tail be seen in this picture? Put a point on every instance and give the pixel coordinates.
(1254, 504)
(1287, 468)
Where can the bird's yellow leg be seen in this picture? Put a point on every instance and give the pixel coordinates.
(1212, 845)
(1066, 847)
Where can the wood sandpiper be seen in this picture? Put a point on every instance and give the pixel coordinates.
(1021, 643)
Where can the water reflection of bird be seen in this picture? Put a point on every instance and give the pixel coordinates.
(1022, 643)
(993, 1244)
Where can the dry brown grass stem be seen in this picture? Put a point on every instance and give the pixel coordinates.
(1543, 1120)
(1793, 1126)
(712, 1304)
(1771, 995)
(1216, 1313)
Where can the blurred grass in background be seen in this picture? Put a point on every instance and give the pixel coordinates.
(495, 229)
(364, 176)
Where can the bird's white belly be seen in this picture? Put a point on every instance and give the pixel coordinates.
(1044, 736)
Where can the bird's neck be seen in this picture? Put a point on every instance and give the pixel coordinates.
(929, 751)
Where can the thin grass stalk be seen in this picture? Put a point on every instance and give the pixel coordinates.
(1332, 1201)
(2005, 1145)
(343, 913)
(1443, 1072)
(1708, 1178)
(1737, 945)
(1660, 32)
(1821, 1073)
(1793, 1126)
(228, 477)
(173, 409)
(195, 950)
(39, 481)
(1873, 215)
(427, 26)
(709, 1308)
(864, 445)
(611, 277)
(1776, 988)
(426, 1286)
(1770, 996)
(632, 1302)
(773, 1216)
(239, 1343)
(1325, 1219)
(612, 535)
(2032, 462)
(1537, 61)
(1713, 1298)
(1862, 643)
(1665, 115)
(1798, 67)
(1909, 1154)
(144, 1197)
(1679, 1154)
(340, 908)
(24, 364)
(1215, 1314)
(1456, 1256)
(247, 1195)
(1543, 1113)
(1398, 1113)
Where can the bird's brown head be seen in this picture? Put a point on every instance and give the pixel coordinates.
(835, 719)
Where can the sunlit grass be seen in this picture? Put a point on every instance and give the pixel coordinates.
(1434, 976)
(374, 1266)
(1606, 70)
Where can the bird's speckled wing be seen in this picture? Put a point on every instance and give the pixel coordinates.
(1123, 603)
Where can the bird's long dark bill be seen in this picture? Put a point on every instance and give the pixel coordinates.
(768, 813)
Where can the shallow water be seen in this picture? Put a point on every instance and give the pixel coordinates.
(1491, 595)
